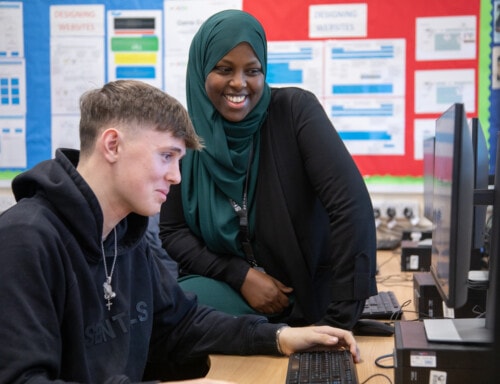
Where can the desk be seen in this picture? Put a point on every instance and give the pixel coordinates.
(272, 370)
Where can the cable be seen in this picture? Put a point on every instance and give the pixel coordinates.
(389, 355)
(405, 304)
(377, 363)
(388, 260)
(401, 278)
(376, 375)
(480, 312)
(399, 313)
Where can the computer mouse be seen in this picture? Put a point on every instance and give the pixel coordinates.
(369, 327)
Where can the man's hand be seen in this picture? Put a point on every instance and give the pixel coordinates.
(264, 293)
(317, 338)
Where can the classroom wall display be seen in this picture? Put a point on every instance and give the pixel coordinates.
(384, 89)
(384, 70)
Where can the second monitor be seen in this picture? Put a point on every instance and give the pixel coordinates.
(453, 218)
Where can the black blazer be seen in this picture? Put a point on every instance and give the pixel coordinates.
(314, 224)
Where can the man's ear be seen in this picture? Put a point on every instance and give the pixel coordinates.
(110, 140)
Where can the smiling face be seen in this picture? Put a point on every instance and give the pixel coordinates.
(236, 83)
(147, 165)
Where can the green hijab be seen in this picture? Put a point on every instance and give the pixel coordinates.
(218, 173)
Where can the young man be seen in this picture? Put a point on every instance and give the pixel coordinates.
(83, 298)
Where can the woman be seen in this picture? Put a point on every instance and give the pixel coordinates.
(273, 213)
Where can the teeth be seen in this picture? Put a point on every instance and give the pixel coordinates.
(235, 99)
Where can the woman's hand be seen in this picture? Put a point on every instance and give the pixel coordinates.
(264, 293)
(317, 338)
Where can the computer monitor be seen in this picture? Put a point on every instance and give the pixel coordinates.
(428, 175)
(481, 182)
(453, 219)
(452, 205)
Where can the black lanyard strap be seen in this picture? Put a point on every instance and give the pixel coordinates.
(244, 235)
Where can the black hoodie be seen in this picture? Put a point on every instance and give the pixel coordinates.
(55, 323)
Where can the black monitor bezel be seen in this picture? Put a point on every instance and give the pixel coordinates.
(428, 176)
(450, 266)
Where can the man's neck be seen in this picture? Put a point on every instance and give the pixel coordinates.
(97, 178)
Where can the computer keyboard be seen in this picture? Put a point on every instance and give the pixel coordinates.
(388, 243)
(323, 367)
(384, 306)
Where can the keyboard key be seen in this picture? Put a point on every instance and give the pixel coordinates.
(325, 367)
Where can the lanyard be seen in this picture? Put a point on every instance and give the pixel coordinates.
(244, 236)
(242, 212)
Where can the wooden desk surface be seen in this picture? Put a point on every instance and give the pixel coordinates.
(272, 370)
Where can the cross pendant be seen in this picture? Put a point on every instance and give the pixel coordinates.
(108, 292)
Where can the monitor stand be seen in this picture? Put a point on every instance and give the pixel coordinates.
(458, 331)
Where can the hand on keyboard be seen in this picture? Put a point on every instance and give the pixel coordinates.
(297, 339)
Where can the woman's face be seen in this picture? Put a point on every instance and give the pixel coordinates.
(235, 84)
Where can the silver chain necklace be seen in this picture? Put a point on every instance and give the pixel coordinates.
(108, 289)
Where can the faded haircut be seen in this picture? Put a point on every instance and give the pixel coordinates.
(132, 103)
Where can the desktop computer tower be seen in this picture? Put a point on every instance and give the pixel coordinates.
(415, 257)
(428, 302)
(418, 362)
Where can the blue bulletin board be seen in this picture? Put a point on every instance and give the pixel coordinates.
(37, 59)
